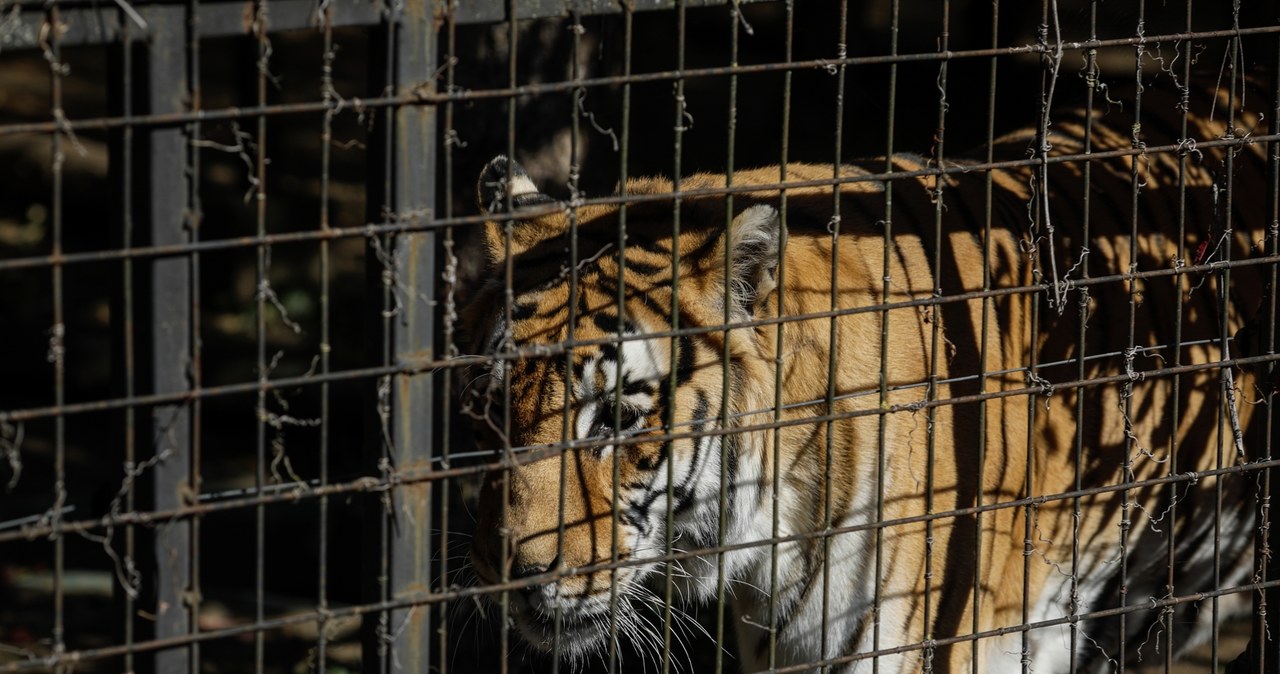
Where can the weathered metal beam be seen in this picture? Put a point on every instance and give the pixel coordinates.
(413, 334)
(401, 289)
(169, 316)
(86, 23)
(495, 10)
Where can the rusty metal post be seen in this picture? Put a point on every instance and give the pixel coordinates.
(402, 275)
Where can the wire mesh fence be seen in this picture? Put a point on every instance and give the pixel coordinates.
(607, 336)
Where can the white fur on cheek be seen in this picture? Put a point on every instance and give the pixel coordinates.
(521, 185)
(639, 362)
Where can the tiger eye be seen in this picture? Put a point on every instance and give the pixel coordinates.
(626, 416)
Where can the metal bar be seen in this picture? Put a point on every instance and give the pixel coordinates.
(779, 354)
(380, 281)
(91, 22)
(412, 403)
(882, 387)
(57, 333)
(88, 22)
(376, 508)
(566, 413)
(121, 95)
(194, 219)
(259, 26)
(1228, 431)
(508, 338)
(1082, 343)
(1135, 180)
(449, 319)
(615, 476)
(980, 475)
(677, 156)
(1171, 573)
(931, 392)
(727, 301)
(1042, 226)
(327, 94)
(411, 333)
(492, 12)
(1266, 515)
(418, 97)
(170, 325)
(833, 326)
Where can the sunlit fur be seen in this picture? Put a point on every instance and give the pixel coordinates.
(907, 582)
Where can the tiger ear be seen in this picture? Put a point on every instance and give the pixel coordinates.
(500, 176)
(503, 177)
(755, 239)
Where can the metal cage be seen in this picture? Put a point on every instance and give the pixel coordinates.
(243, 262)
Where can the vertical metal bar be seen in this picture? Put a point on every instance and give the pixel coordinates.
(1179, 283)
(670, 422)
(1126, 474)
(382, 276)
(566, 417)
(1091, 68)
(775, 526)
(984, 346)
(122, 171)
(727, 317)
(508, 343)
(940, 134)
(402, 276)
(57, 335)
(1224, 195)
(886, 246)
(412, 333)
(833, 334)
(1040, 222)
(169, 313)
(628, 8)
(327, 94)
(194, 218)
(260, 26)
(449, 318)
(1271, 477)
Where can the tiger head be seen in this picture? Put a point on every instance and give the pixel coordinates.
(604, 431)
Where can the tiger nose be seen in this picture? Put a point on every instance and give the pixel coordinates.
(525, 568)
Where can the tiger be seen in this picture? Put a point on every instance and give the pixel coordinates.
(781, 402)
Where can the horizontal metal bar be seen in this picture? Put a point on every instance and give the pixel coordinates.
(36, 519)
(402, 227)
(179, 398)
(494, 12)
(94, 22)
(424, 97)
(422, 598)
(523, 455)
